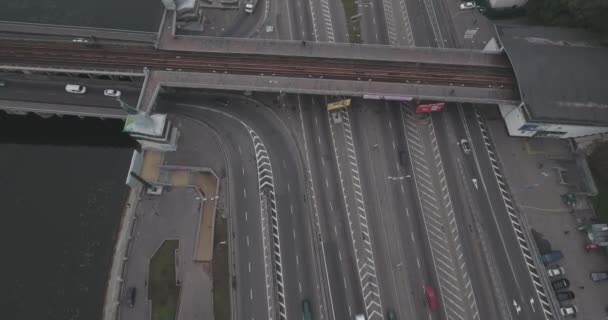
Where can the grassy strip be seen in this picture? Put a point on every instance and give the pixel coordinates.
(163, 291)
(221, 271)
(354, 28)
(600, 201)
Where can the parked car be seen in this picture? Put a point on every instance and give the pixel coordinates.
(467, 5)
(551, 256)
(431, 297)
(75, 88)
(564, 295)
(560, 284)
(131, 294)
(568, 311)
(555, 271)
(599, 276)
(111, 93)
(466, 147)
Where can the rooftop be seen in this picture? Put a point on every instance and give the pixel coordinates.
(561, 73)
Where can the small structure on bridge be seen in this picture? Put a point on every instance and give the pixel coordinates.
(153, 132)
(561, 74)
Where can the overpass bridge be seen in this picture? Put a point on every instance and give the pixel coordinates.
(272, 66)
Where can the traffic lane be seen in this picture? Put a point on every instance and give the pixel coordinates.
(300, 20)
(519, 284)
(409, 268)
(419, 22)
(244, 209)
(245, 23)
(332, 213)
(450, 131)
(294, 219)
(421, 258)
(54, 92)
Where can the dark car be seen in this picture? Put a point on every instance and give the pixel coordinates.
(560, 284)
(565, 295)
(431, 297)
(599, 276)
(131, 294)
(551, 256)
(390, 315)
(403, 160)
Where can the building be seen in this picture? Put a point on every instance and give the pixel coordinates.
(561, 76)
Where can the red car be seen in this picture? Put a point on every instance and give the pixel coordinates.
(431, 298)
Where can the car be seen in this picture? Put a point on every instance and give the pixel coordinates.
(467, 5)
(564, 295)
(599, 276)
(390, 315)
(403, 159)
(111, 93)
(336, 117)
(555, 271)
(80, 40)
(360, 317)
(568, 311)
(306, 310)
(75, 88)
(2, 84)
(131, 294)
(551, 256)
(466, 147)
(560, 284)
(431, 297)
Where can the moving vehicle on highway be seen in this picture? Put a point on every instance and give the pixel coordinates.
(131, 294)
(467, 5)
(560, 284)
(360, 317)
(431, 297)
(75, 88)
(564, 295)
(599, 276)
(466, 147)
(551, 256)
(306, 312)
(390, 315)
(2, 84)
(111, 93)
(555, 271)
(568, 311)
(250, 5)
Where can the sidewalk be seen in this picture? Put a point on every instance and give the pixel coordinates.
(530, 169)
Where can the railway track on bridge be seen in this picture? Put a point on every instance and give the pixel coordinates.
(91, 56)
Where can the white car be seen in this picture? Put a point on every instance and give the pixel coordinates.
(111, 93)
(568, 311)
(555, 271)
(75, 88)
(467, 5)
(466, 147)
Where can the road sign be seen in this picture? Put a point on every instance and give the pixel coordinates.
(426, 108)
(338, 104)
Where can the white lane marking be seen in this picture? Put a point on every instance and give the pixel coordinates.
(249, 264)
(245, 193)
(246, 215)
(251, 294)
(300, 286)
(243, 170)
(248, 241)
(297, 260)
(418, 262)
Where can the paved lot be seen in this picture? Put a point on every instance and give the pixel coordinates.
(534, 185)
(174, 215)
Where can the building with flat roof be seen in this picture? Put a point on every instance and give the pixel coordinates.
(561, 75)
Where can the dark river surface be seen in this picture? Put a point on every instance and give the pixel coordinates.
(62, 184)
(62, 193)
(140, 15)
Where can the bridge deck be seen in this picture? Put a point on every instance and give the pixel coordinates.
(156, 79)
(169, 41)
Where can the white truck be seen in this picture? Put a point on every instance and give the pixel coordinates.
(250, 5)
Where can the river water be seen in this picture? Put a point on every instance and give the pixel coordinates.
(62, 194)
(62, 184)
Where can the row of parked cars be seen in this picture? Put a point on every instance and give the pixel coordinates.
(560, 283)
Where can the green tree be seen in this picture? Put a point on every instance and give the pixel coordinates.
(590, 14)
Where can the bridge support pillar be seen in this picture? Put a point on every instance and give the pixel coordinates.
(153, 132)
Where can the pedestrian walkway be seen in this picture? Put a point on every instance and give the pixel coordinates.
(529, 168)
